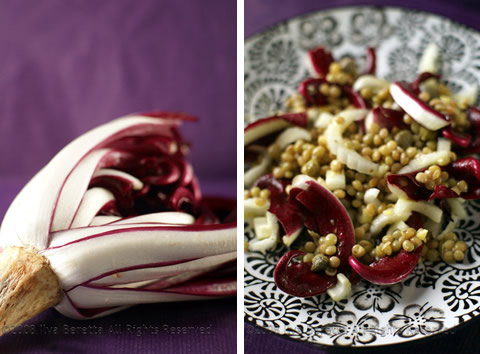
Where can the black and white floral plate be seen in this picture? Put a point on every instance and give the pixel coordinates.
(436, 297)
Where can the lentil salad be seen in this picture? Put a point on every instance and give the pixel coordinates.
(389, 153)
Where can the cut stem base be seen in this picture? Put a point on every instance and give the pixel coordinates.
(28, 286)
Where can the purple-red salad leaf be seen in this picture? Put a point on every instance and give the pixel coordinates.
(467, 169)
(354, 97)
(310, 90)
(421, 112)
(321, 60)
(324, 214)
(371, 61)
(294, 276)
(264, 127)
(389, 269)
(415, 85)
(461, 139)
(330, 217)
(388, 118)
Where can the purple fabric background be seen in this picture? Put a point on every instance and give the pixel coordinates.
(68, 66)
(259, 14)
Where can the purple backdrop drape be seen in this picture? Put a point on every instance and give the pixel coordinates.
(68, 66)
(259, 14)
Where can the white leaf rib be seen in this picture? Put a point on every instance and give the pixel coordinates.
(92, 202)
(201, 265)
(132, 247)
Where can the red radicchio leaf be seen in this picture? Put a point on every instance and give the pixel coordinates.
(310, 90)
(182, 200)
(467, 169)
(294, 276)
(410, 186)
(121, 189)
(388, 118)
(109, 209)
(287, 210)
(162, 171)
(421, 112)
(321, 60)
(224, 208)
(268, 181)
(421, 78)
(285, 207)
(371, 61)
(147, 144)
(461, 139)
(415, 220)
(263, 127)
(171, 115)
(469, 142)
(442, 192)
(330, 217)
(388, 270)
(474, 117)
(416, 190)
(354, 97)
(322, 213)
(354, 277)
(213, 210)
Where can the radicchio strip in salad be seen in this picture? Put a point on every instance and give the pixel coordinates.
(116, 218)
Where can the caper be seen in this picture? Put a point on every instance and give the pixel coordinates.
(319, 263)
(404, 139)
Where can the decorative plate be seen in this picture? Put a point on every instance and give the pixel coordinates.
(436, 297)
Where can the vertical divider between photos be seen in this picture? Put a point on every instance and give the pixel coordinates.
(240, 159)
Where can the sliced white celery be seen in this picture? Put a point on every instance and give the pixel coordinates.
(335, 143)
(324, 120)
(291, 135)
(428, 209)
(252, 209)
(256, 171)
(335, 180)
(261, 227)
(401, 212)
(269, 242)
(468, 96)
(430, 60)
(371, 195)
(440, 157)
(434, 227)
(444, 145)
(371, 82)
(341, 290)
(457, 207)
(422, 161)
